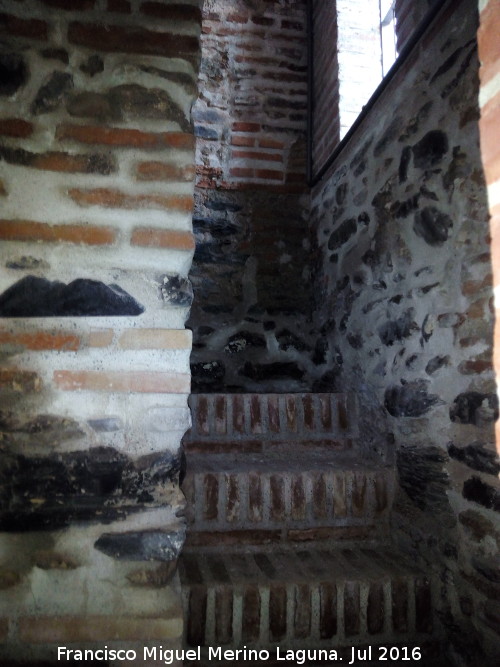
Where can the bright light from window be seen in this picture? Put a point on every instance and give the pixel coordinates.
(387, 34)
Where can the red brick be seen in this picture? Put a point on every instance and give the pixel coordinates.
(100, 337)
(267, 142)
(162, 238)
(127, 39)
(124, 137)
(41, 340)
(16, 127)
(241, 172)
(277, 612)
(262, 20)
(211, 497)
(161, 171)
(342, 414)
(155, 339)
(154, 382)
(73, 5)
(250, 625)
(399, 602)
(255, 415)
(197, 616)
(298, 499)
(319, 496)
(246, 127)
(31, 28)
(273, 413)
(13, 379)
(302, 611)
(488, 42)
(228, 538)
(238, 140)
(3, 189)
(60, 161)
(224, 615)
(180, 12)
(110, 198)
(4, 629)
(269, 174)
(121, 6)
(325, 412)
(233, 498)
(28, 230)
(358, 494)
(255, 499)
(257, 155)
(308, 412)
(56, 629)
(381, 500)
(277, 497)
(236, 18)
(202, 419)
(375, 609)
(291, 413)
(327, 533)
(327, 610)
(221, 415)
(352, 608)
(238, 414)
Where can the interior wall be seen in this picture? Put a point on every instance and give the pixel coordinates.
(96, 182)
(251, 312)
(403, 289)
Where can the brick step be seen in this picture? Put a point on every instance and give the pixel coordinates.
(265, 422)
(305, 598)
(274, 497)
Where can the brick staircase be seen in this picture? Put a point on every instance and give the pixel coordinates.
(288, 540)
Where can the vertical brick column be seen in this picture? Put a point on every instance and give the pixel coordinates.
(96, 185)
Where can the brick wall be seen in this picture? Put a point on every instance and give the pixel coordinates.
(404, 286)
(409, 13)
(250, 123)
(97, 177)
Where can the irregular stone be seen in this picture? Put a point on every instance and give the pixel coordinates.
(404, 163)
(479, 492)
(140, 546)
(177, 291)
(208, 375)
(436, 363)
(243, 340)
(27, 262)
(428, 326)
(182, 78)
(139, 102)
(51, 560)
(8, 579)
(106, 425)
(56, 54)
(38, 297)
(430, 150)
(288, 340)
(275, 371)
(51, 93)
(342, 234)
(93, 65)
(488, 567)
(423, 477)
(432, 225)
(13, 73)
(157, 578)
(320, 351)
(409, 400)
(474, 407)
(476, 456)
(355, 341)
(391, 131)
(218, 205)
(398, 330)
(91, 105)
(477, 525)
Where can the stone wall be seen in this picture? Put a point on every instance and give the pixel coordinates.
(403, 289)
(96, 180)
(250, 280)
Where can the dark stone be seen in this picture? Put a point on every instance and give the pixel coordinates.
(448, 63)
(401, 209)
(473, 407)
(488, 567)
(430, 150)
(140, 546)
(342, 234)
(56, 54)
(100, 484)
(217, 205)
(476, 456)
(404, 163)
(205, 331)
(207, 375)
(27, 262)
(388, 136)
(432, 225)
(414, 124)
(409, 400)
(38, 297)
(288, 340)
(244, 339)
(106, 425)
(219, 228)
(320, 351)
(411, 362)
(92, 105)
(436, 363)
(479, 492)
(398, 330)
(51, 93)
(269, 325)
(275, 371)
(340, 193)
(13, 73)
(177, 291)
(476, 525)
(355, 341)
(422, 476)
(140, 102)
(364, 218)
(93, 65)
(203, 132)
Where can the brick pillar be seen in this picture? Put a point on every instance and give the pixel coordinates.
(96, 183)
